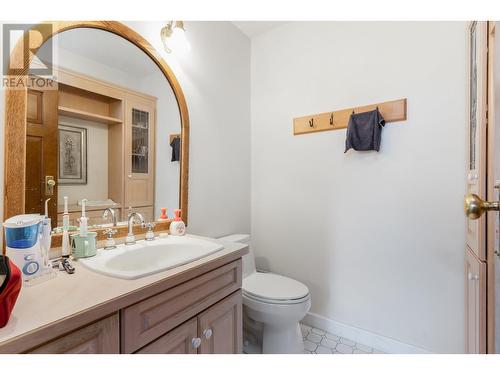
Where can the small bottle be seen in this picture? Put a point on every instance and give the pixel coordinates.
(177, 227)
(163, 215)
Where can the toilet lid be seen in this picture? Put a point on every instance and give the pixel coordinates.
(273, 287)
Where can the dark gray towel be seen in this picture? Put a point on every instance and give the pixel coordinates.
(364, 131)
(176, 149)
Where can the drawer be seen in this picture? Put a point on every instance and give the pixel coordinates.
(99, 337)
(149, 319)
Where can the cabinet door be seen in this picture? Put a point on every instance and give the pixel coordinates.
(140, 154)
(475, 300)
(181, 340)
(220, 327)
(101, 337)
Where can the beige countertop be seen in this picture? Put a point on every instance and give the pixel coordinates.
(86, 296)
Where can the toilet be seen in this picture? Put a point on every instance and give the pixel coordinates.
(273, 306)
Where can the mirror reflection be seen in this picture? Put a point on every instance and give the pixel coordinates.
(99, 137)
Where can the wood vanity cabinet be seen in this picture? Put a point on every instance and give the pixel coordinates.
(102, 336)
(202, 315)
(218, 330)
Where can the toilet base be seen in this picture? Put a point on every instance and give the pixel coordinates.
(282, 339)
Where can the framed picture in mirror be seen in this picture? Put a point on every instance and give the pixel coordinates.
(72, 155)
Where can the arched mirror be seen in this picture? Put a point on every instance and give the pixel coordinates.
(109, 130)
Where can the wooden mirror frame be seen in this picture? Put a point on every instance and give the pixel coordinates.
(15, 119)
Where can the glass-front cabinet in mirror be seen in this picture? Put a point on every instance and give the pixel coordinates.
(139, 141)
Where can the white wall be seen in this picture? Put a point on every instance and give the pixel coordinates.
(215, 77)
(168, 122)
(96, 187)
(377, 237)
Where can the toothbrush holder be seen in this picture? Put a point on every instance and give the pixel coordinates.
(84, 246)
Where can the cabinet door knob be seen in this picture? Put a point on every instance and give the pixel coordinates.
(469, 276)
(207, 333)
(196, 342)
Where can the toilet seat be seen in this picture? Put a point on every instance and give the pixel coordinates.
(274, 289)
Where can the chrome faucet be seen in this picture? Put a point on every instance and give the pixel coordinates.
(109, 211)
(130, 240)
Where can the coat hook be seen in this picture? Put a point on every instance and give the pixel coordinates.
(331, 119)
(311, 122)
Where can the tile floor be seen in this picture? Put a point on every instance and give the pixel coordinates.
(317, 341)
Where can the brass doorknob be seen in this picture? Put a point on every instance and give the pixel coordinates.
(475, 206)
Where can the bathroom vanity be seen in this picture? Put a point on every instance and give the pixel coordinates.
(193, 308)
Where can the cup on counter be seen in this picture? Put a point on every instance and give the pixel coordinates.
(84, 246)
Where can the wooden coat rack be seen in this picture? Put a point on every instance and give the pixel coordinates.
(392, 111)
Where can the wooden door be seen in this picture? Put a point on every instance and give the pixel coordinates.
(102, 337)
(477, 161)
(181, 340)
(476, 125)
(139, 154)
(41, 151)
(221, 327)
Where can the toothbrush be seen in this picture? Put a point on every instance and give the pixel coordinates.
(65, 239)
(83, 220)
(65, 264)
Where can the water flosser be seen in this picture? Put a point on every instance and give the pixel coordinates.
(66, 249)
(46, 236)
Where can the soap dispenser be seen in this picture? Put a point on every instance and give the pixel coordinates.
(177, 227)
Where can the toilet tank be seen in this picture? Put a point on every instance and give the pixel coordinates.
(249, 259)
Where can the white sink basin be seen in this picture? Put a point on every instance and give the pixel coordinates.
(148, 257)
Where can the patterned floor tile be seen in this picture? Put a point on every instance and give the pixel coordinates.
(314, 338)
(331, 336)
(364, 348)
(305, 330)
(344, 349)
(318, 331)
(328, 343)
(323, 350)
(348, 342)
(317, 341)
(310, 346)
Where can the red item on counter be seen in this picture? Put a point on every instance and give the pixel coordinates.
(9, 289)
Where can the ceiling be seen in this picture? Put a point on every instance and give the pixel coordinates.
(111, 50)
(253, 28)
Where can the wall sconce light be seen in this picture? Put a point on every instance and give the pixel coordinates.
(174, 38)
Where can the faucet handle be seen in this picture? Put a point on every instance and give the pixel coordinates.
(150, 234)
(110, 232)
(110, 241)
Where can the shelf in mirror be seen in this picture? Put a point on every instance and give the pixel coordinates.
(66, 111)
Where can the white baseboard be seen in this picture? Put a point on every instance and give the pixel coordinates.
(382, 343)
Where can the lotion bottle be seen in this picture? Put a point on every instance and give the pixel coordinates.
(177, 227)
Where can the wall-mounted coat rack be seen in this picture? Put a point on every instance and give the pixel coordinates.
(392, 111)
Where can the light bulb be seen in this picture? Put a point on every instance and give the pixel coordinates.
(178, 42)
